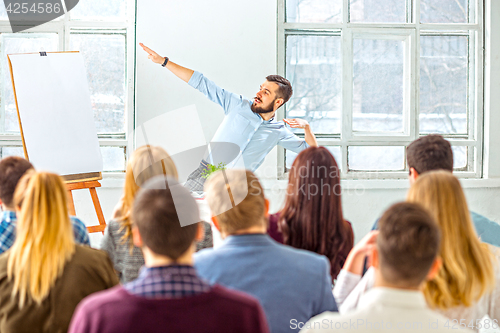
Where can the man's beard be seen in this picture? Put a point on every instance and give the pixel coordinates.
(259, 109)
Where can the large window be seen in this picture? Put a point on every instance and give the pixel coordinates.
(103, 31)
(372, 76)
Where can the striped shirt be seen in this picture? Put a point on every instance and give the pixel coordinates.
(175, 281)
(8, 230)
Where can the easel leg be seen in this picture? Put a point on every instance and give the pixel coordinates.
(98, 210)
(71, 204)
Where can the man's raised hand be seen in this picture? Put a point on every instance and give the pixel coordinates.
(296, 122)
(155, 57)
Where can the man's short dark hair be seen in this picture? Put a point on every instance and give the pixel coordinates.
(431, 152)
(284, 86)
(159, 219)
(408, 243)
(12, 168)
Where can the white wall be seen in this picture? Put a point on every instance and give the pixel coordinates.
(234, 44)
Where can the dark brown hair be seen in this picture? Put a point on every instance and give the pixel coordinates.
(408, 242)
(158, 218)
(285, 90)
(312, 217)
(431, 152)
(12, 168)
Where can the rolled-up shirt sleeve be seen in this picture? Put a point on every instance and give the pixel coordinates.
(292, 142)
(213, 92)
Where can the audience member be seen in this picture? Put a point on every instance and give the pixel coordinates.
(12, 168)
(168, 295)
(290, 284)
(433, 152)
(312, 217)
(405, 256)
(467, 287)
(145, 163)
(45, 274)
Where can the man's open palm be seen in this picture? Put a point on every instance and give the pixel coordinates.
(296, 122)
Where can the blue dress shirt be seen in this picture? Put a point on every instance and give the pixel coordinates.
(8, 230)
(290, 284)
(254, 136)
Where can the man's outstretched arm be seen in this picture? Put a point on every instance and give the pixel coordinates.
(181, 72)
(195, 79)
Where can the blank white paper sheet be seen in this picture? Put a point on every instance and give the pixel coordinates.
(56, 113)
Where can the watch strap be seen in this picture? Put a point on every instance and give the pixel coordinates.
(165, 62)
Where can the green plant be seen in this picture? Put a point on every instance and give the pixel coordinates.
(212, 168)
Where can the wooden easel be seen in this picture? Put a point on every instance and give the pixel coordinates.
(73, 182)
(91, 185)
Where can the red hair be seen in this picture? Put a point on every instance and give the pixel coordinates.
(312, 217)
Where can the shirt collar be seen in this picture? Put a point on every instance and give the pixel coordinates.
(167, 270)
(9, 216)
(394, 298)
(249, 239)
(262, 119)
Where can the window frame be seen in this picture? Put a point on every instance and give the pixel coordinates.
(63, 27)
(413, 28)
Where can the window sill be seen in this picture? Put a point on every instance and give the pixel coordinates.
(381, 184)
(116, 180)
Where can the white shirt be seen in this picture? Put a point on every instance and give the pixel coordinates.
(349, 289)
(385, 310)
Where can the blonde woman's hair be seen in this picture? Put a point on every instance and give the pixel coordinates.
(145, 163)
(236, 198)
(467, 272)
(44, 241)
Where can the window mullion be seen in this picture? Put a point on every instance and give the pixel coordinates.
(347, 90)
(130, 79)
(345, 13)
(416, 89)
(346, 112)
(479, 91)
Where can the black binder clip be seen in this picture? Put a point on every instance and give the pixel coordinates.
(43, 54)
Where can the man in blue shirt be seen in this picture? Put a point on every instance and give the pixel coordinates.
(249, 125)
(433, 152)
(11, 170)
(292, 285)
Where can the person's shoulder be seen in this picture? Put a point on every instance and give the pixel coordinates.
(234, 296)
(273, 229)
(476, 216)
(211, 260)
(114, 224)
(4, 258)
(312, 263)
(280, 125)
(115, 227)
(104, 298)
(205, 254)
(300, 254)
(274, 217)
(89, 256)
(76, 220)
(78, 224)
(325, 323)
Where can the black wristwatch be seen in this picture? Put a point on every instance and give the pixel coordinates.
(165, 62)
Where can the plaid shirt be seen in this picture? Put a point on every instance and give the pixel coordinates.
(174, 281)
(8, 231)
